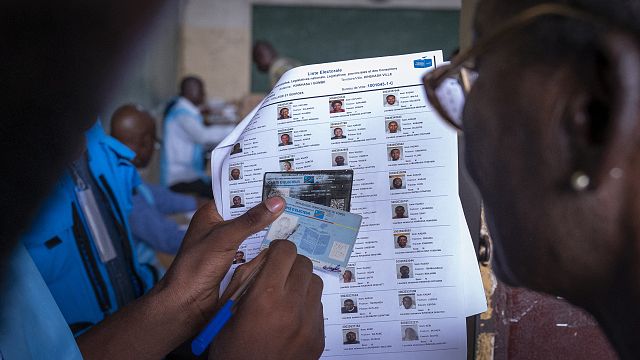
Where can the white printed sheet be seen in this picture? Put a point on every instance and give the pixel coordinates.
(382, 139)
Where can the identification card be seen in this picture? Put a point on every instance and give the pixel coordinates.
(323, 234)
(330, 188)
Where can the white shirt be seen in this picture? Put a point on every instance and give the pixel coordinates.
(184, 135)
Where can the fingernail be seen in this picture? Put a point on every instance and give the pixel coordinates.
(274, 204)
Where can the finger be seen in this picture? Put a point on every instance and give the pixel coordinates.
(313, 299)
(257, 218)
(319, 331)
(300, 275)
(314, 292)
(241, 274)
(280, 258)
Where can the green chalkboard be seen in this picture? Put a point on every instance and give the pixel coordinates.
(321, 34)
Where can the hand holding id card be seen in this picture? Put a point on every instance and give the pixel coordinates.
(323, 234)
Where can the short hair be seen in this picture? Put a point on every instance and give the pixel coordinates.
(401, 236)
(188, 80)
(407, 297)
(394, 149)
(240, 252)
(390, 95)
(334, 130)
(560, 38)
(345, 301)
(336, 102)
(237, 197)
(404, 267)
(400, 207)
(392, 122)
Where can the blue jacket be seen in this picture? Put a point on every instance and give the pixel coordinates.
(61, 246)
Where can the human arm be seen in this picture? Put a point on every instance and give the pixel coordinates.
(185, 299)
(201, 134)
(153, 227)
(170, 202)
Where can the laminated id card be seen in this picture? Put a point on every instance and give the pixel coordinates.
(323, 234)
(330, 188)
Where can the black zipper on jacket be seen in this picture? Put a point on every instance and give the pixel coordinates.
(90, 263)
(124, 235)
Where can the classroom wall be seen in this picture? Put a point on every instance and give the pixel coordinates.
(217, 36)
(150, 75)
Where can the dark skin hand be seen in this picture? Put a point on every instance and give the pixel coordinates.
(186, 298)
(269, 304)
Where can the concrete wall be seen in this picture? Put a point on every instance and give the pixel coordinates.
(150, 76)
(216, 37)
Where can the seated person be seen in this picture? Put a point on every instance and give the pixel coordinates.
(184, 135)
(81, 239)
(268, 60)
(44, 131)
(136, 129)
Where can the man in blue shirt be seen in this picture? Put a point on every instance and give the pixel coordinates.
(81, 240)
(136, 129)
(58, 63)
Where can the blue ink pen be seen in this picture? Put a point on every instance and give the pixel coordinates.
(206, 336)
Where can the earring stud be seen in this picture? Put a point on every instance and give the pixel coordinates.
(580, 181)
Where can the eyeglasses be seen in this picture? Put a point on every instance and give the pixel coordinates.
(448, 86)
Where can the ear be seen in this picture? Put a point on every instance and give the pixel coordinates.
(606, 121)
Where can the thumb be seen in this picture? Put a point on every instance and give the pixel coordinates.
(257, 218)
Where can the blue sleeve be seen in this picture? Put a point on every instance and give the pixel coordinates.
(152, 227)
(170, 202)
